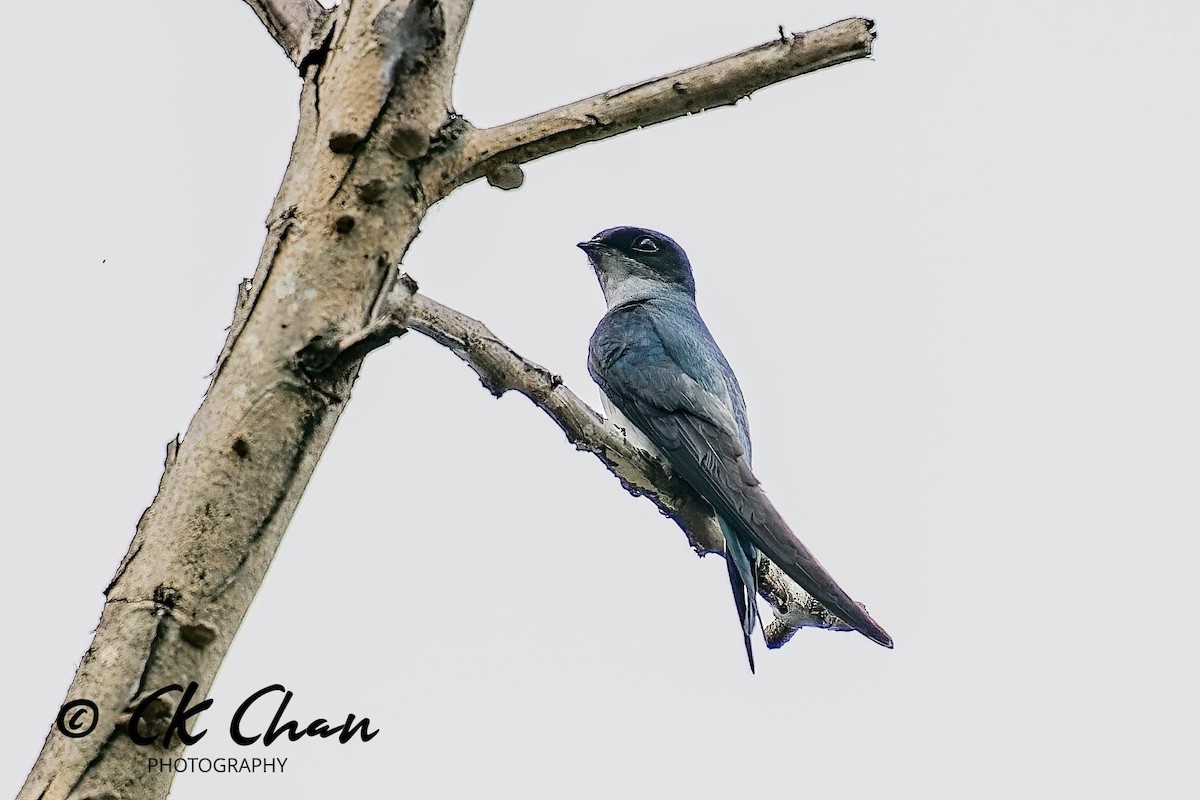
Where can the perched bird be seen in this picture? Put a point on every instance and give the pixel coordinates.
(665, 381)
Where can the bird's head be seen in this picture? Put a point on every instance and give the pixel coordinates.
(638, 263)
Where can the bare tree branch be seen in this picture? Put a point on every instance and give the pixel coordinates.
(498, 152)
(501, 369)
(377, 144)
(289, 22)
(339, 224)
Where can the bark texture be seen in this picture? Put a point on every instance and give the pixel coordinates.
(377, 144)
(289, 22)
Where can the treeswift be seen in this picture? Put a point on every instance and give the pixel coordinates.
(665, 381)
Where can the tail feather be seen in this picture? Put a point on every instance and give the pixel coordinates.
(739, 562)
(789, 554)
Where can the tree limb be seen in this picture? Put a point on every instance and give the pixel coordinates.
(339, 224)
(377, 144)
(497, 152)
(289, 22)
(501, 369)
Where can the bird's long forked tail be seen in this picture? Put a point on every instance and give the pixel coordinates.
(748, 516)
(781, 546)
(739, 561)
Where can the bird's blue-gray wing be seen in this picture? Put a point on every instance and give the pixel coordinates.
(633, 365)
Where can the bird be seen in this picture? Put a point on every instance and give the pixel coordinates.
(666, 383)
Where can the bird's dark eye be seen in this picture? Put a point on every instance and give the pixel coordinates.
(645, 245)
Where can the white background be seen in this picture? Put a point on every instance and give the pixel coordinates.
(958, 283)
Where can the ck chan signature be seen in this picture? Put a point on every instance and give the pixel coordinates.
(155, 720)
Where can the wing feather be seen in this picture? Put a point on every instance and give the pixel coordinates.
(699, 436)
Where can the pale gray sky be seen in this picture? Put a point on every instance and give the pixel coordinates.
(958, 283)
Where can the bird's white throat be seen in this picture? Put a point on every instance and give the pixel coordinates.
(630, 288)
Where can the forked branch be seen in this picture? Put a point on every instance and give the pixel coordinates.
(377, 144)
